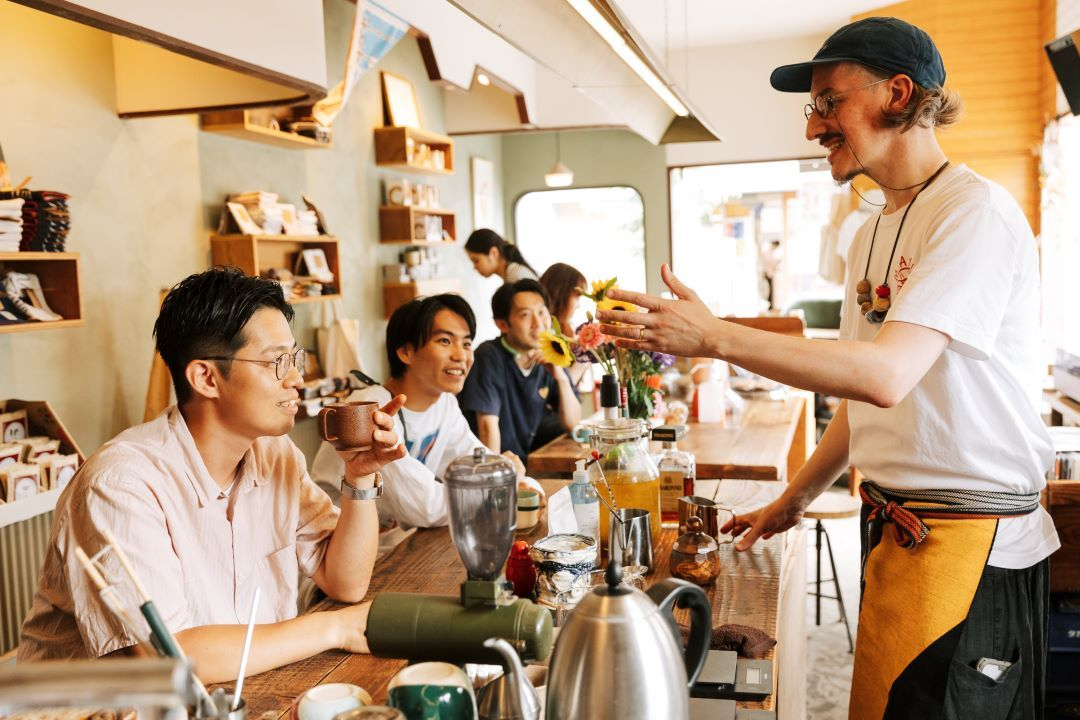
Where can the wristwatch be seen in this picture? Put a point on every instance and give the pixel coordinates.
(356, 493)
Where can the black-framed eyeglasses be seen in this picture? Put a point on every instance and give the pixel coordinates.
(825, 104)
(282, 363)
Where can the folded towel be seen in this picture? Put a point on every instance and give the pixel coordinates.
(745, 640)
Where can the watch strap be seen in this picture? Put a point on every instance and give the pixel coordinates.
(356, 493)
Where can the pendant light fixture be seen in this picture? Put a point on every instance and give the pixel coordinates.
(559, 175)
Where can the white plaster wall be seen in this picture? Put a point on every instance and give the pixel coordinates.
(146, 195)
(730, 87)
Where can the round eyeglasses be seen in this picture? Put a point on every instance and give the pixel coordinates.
(825, 104)
(282, 363)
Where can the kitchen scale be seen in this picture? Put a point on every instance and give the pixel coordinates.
(730, 677)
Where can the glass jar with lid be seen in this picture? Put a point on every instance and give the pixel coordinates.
(695, 556)
(625, 471)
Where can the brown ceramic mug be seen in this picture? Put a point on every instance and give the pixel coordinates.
(349, 426)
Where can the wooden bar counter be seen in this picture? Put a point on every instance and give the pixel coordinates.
(764, 587)
(771, 442)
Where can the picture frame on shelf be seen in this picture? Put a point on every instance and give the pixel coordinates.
(399, 101)
(13, 426)
(483, 192)
(316, 266)
(243, 220)
(318, 215)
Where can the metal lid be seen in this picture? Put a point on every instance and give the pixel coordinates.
(695, 541)
(564, 549)
(480, 470)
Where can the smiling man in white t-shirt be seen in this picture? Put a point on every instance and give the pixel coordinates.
(429, 348)
(939, 364)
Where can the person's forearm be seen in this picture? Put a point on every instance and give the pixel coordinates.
(569, 405)
(350, 554)
(829, 459)
(215, 649)
(488, 432)
(853, 370)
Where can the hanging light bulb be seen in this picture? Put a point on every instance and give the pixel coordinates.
(559, 175)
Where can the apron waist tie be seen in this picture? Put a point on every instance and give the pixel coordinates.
(906, 508)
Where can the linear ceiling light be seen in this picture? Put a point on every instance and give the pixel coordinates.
(618, 43)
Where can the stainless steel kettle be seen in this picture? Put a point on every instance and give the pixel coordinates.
(619, 655)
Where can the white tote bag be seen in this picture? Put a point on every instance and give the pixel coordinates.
(338, 340)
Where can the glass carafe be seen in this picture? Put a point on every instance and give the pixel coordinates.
(629, 471)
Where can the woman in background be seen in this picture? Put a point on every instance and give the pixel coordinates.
(565, 284)
(491, 255)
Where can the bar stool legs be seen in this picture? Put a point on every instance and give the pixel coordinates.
(819, 530)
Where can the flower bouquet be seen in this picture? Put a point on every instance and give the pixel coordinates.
(637, 371)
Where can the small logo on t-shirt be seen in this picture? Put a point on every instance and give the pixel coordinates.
(543, 392)
(420, 450)
(903, 269)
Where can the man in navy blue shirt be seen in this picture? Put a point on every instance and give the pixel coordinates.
(509, 389)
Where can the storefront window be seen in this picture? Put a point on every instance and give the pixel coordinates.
(750, 235)
(600, 231)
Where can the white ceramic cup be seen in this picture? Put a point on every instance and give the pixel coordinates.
(323, 702)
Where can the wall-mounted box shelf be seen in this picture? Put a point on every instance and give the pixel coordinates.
(257, 254)
(239, 124)
(61, 281)
(399, 148)
(398, 225)
(397, 294)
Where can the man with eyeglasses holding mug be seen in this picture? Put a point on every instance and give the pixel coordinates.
(939, 364)
(211, 500)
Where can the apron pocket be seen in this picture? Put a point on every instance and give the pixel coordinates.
(974, 695)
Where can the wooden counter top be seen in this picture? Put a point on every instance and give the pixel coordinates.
(771, 442)
(759, 588)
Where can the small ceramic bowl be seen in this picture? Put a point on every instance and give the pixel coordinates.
(323, 702)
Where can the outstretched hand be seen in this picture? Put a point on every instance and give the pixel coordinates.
(782, 514)
(677, 327)
(385, 447)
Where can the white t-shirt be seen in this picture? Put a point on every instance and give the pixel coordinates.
(411, 493)
(517, 271)
(966, 266)
(413, 496)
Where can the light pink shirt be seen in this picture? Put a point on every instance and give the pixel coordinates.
(199, 552)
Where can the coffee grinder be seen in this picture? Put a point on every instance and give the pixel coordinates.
(481, 492)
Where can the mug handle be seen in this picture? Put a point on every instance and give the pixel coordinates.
(665, 594)
(731, 538)
(322, 425)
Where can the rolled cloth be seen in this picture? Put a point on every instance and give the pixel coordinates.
(747, 641)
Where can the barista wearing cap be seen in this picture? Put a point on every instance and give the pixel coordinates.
(939, 364)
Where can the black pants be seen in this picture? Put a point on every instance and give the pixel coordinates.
(1007, 621)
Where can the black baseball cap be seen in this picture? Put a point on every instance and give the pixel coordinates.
(883, 43)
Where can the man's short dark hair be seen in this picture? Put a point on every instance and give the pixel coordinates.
(503, 299)
(411, 324)
(205, 315)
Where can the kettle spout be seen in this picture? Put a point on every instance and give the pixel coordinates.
(510, 696)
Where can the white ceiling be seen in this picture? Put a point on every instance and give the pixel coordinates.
(675, 24)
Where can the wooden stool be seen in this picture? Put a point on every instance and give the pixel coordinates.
(830, 506)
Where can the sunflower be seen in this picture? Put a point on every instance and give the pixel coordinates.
(555, 350)
(600, 289)
(612, 304)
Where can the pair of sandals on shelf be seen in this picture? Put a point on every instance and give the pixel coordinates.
(23, 300)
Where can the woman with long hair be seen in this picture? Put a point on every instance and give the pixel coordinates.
(491, 255)
(565, 285)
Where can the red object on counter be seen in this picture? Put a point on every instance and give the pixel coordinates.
(520, 570)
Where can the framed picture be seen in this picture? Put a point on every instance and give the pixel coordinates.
(483, 193)
(399, 101)
(13, 426)
(243, 219)
(316, 265)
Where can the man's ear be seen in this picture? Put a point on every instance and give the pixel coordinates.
(900, 89)
(504, 326)
(203, 378)
(405, 354)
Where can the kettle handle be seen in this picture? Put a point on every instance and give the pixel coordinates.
(665, 594)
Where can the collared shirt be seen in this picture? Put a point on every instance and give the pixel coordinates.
(200, 553)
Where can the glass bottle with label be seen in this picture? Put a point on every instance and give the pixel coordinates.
(678, 470)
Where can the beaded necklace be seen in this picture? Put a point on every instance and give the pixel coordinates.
(874, 308)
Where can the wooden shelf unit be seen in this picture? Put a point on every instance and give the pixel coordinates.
(391, 149)
(239, 124)
(397, 225)
(60, 275)
(256, 254)
(397, 294)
